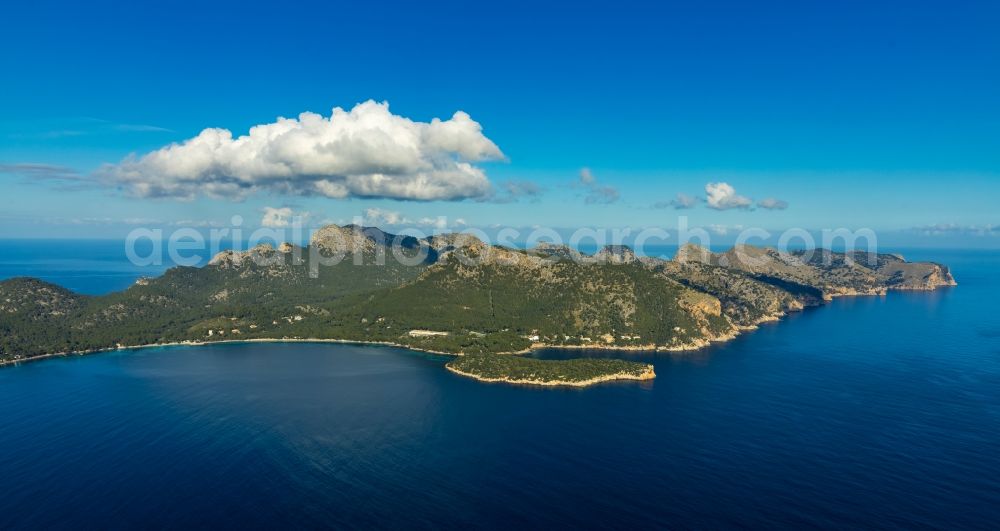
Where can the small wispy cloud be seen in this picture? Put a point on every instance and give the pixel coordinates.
(602, 195)
(283, 217)
(46, 135)
(596, 192)
(54, 176)
(125, 221)
(142, 128)
(76, 127)
(197, 223)
(721, 196)
(723, 230)
(681, 202)
(772, 204)
(41, 172)
(513, 191)
(109, 221)
(381, 217)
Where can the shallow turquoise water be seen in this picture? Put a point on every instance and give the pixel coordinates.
(880, 411)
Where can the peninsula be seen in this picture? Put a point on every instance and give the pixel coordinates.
(454, 294)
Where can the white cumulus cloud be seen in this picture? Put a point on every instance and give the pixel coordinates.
(364, 152)
(722, 196)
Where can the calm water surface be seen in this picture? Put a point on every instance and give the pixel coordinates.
(877, 412)
(85, 266)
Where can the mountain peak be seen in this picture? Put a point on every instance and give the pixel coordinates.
(692, 252)
(349, 238)
(616, 254)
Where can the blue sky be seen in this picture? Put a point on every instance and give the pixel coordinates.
(854, 114)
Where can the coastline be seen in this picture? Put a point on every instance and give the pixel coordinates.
(532, 348)
(686, 347)
(648, 374)
(196, 343)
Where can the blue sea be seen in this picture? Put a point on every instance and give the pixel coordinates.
(876, 412)
(92, 267)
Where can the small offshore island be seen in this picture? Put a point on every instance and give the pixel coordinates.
(527, 371)
(454, 294)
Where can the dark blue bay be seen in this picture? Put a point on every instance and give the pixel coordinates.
(868, 412)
